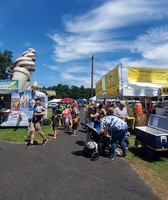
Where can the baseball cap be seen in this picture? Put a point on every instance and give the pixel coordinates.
(122, 102)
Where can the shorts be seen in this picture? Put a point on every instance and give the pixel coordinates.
(38, 127)
(30, 133)
(65, 120)
(55, 127)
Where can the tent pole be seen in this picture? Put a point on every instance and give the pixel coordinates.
(92, 76)
(122, 97)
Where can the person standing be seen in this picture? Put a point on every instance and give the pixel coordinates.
(110, 110)
(75, 119)
(65, 117)
(120, 111)
(117, 128)
(92, 112)
(31, 130)
(9, 72)
(38, 116)
(54, 124)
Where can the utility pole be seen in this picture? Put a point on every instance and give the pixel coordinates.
(92, 76)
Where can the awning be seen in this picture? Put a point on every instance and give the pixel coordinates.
(50, 93)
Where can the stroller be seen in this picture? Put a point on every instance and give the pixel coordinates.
(98, 144)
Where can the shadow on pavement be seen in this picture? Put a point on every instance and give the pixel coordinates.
(80, 143)
(78, 153)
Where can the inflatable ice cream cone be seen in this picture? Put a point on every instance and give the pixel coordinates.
(24, 67)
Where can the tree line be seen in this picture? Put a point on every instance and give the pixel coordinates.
(74, 92)
(5, 61)
(62, 91)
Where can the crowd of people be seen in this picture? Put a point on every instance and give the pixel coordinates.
(63, 116)
(107, 119)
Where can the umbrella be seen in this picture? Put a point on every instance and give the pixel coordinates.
(67, 99)
(81, 100)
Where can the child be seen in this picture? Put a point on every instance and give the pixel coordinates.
(54, 124)
(31, 131)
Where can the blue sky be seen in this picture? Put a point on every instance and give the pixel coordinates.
(66, 33)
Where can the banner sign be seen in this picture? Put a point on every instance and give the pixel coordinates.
(112, 82)
(147, 75)
(103, 85)
(99, 91)
(8, 85)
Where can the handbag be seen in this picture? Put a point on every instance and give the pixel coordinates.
(75, 120)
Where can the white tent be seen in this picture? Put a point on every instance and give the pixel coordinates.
(92, 98)
(140, 89)
(54, 101)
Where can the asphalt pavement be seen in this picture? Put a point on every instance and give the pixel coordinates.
(59, 171)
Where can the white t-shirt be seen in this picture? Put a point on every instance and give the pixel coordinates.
(119, 112)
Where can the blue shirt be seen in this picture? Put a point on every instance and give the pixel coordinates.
(8, 70)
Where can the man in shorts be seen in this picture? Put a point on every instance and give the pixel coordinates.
(38, 116)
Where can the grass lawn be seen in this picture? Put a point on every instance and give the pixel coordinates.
(19, 135)
(154, 172)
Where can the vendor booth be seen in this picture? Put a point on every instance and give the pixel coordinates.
(137, 86)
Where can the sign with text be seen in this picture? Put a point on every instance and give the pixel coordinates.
(8, 85)
(112, 82)
(99, 90)
(147, 75)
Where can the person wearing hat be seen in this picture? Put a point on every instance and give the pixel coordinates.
(120, 111)
(36, 94)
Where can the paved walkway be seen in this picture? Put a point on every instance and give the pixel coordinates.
(59, 171)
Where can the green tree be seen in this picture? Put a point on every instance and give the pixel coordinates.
(5, 60)
(74, 92)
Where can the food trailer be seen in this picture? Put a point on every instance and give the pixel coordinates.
(18, 105)
(18, 96)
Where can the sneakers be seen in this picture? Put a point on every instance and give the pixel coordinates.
(45, 141)
(29, 146)
(124, 155)
(54, 137)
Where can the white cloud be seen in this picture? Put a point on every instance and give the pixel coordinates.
(89, 33)
(111, 28)
(55, 68)
(154, 44)
(77, 80)
(117, 13)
